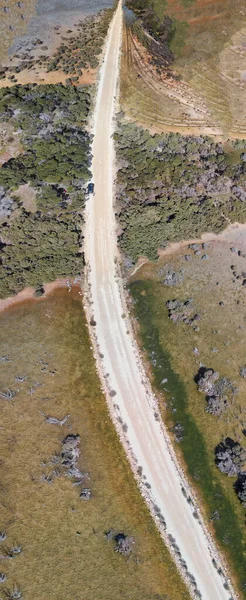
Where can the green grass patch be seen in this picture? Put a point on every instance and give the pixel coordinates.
(149, 312)
(179, 36)
(187, 3)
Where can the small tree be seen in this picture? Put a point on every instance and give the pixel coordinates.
(230, 457)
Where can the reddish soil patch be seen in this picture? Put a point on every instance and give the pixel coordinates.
(28, 293)
(207, 18)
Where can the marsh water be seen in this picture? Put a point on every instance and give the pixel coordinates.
(47, 370)
(50, 13)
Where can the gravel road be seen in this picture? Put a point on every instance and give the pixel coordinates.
(120, 361)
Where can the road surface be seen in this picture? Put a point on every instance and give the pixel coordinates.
(124, 371)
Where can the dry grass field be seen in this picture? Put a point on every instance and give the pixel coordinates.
(204, 89)
(64, 552)
(14, 20)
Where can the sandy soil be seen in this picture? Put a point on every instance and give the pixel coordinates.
(87, 78)
(130, 399)
(234, 234)
(28, 293)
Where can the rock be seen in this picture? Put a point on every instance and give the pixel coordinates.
(173, 278)
(206, 381)
(86, 494)
(39, 291)
(234, 250)
(197, 252)
(124, 544)
(243, 372)
(187, 257)
(218, 390)
(178, 432)
(194, 246)
(215, 516)
(205, 257)
(182, 311)
(196, 351)
(109, 535)
(221, 303)
(196, 317)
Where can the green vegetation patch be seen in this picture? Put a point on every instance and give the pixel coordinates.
(177, 43)
(56, 153)
(173, 187)
(150, 312)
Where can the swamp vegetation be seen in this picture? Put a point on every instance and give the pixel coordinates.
(212, 445)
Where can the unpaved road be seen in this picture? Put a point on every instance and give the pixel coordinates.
(119, 362)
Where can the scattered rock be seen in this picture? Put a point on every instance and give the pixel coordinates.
(124, 544)
(196, 351)
(179, 311)
(243, 372)
(109, 535)
(86, 494)
(215, 516)
(39, 291)
(54, 420)
(172, 278)
(178, 432)
(218, 390)
(194, 246)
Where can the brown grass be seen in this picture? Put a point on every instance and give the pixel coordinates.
(205, 61)
(64, 549)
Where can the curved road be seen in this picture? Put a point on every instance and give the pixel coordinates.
(116, 344)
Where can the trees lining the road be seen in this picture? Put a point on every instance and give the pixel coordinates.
(55, 152)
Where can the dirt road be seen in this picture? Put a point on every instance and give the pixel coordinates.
(132, 398)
